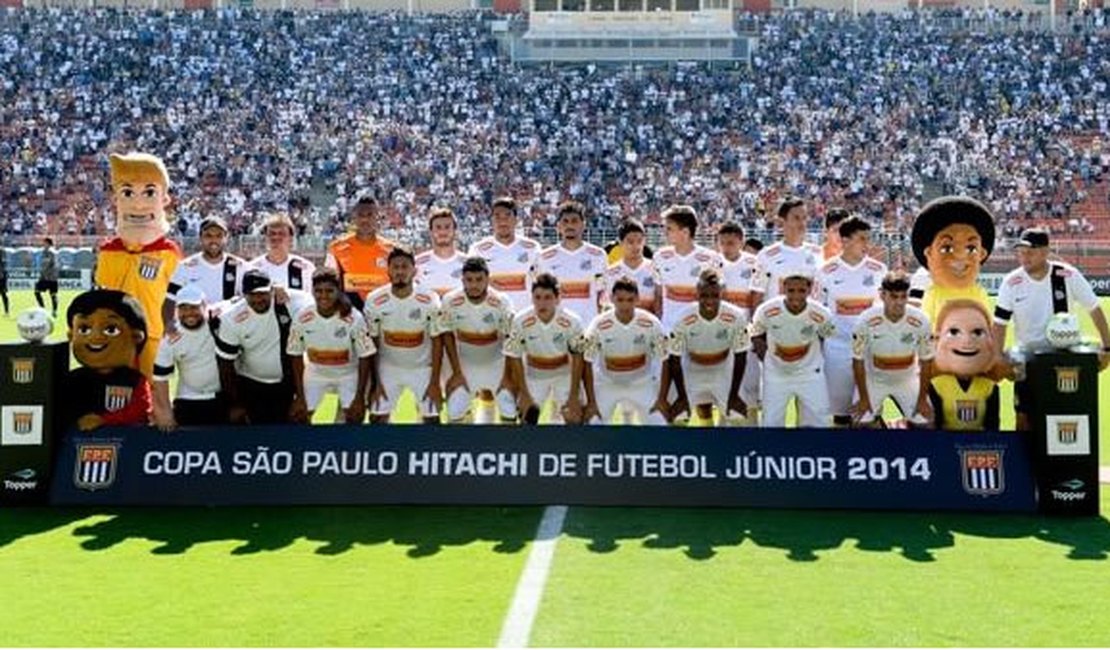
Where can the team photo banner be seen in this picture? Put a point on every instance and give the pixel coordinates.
(489, 465)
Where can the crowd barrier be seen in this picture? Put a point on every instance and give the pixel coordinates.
(1053, 469)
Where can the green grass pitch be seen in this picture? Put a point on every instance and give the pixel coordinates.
(418, 576)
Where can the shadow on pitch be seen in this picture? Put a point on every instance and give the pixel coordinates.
(17, 523)
(804, 535)
(421, 531)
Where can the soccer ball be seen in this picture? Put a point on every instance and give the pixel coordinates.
(34, 324)
(1063, 331)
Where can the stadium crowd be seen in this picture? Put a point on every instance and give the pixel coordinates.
(251, 110)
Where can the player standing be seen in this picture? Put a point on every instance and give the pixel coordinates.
(633, 264)
(216, 272)
(191, 350)
(580, 266)
(440, 268)
(793, 252)
(360, 256)
(678, 266)
(511, 259)
(284, 268)
(847, 285)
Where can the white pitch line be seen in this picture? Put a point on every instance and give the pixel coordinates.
(517, 627)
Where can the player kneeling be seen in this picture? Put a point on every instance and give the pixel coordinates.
(477, 319)
(337, 344)
(626, 346)
(404, 322)
(892, 353)
(543, 359)
(709, 348)
(787, 333)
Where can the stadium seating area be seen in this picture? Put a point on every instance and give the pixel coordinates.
(294, 111)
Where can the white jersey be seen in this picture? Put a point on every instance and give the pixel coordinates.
(544, 348)
(920, 282)
(331, 346)
(624, 352)
(294, 273)
(510, 267)
(847, 291)
(254, 339)
(404, 327)
(777, 258)
(438, 274)
(710, 344)
(581, 275)
(218, 281)
(891, 351)
(1029, 303)
(193, 353)
(736, 279)
(643, 275)
(678, 275)
(793, 340)
(480, 329)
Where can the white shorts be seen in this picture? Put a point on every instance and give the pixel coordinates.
(483, 376)
(808, 387)
(395, 380)
(316, 387)
(750, 385)
(634, 398)
(555, 388)
(708, 385)
(839, 377)
(904, 392)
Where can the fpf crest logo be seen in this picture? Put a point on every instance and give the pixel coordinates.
(1067, 380)
(23, 371)
(983, 473)
(95, 468)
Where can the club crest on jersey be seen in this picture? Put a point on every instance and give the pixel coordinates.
(967, 410)
(907, 338)
(488, 319)
(722, 335)
(1067, 380)
(116, 397)
(457, 273)
(96, 466)
(982, 471)
(149, 267)
(522, 258)
(229, 276)
(695, 271)
(639, 340)
(585, 265)
(648, 283)
(23, 371)
(341, 333)
(414, 314)
(559, 338)
(807, 330)
(869, 281)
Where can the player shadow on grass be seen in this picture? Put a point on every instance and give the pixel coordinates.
(17, 523)
(804, 535)
(419, 531)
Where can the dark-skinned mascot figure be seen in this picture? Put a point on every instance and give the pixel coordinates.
(140, 259)
(107, 332)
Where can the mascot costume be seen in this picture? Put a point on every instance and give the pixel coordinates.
(963, 394)
(952, 237)
(108, 332)
(140, 259)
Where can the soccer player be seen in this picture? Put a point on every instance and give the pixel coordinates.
(623, 349)
(511, 259)
(892, 355)
(711, 344)
(1030, 295)
(405, 323)
(334, 340)
(833, 244)
(791, 253)
(847, 285)
(217, 273)
(440, 269)
(477, 319)
(787, 332)
(255, 372)
(284, 268)
(678, 266)
(48, 276)
(360, 256)
(737, 266)
(190, 349)
(579, 266)
(543, 356)
(632, 263)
